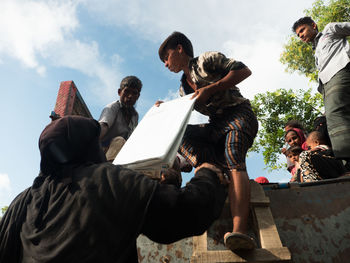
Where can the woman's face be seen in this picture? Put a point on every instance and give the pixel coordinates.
(293, 139)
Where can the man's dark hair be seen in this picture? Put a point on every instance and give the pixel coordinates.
(303, 21)
(294, 150)
(171, 42)
(131, 82)
(295, 124)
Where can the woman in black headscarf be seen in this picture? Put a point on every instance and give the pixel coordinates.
(83, 209)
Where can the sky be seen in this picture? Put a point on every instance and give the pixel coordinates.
(96, 43)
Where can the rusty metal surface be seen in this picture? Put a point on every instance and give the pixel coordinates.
(215, 234)
(314, 221)
(149, 251)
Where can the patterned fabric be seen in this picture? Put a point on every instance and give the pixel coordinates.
(233, 135)
(318, 164)
(209, 68)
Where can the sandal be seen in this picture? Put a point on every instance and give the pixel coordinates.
(238, 241)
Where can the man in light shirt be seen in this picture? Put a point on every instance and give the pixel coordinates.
(332, 57)
(119, 118)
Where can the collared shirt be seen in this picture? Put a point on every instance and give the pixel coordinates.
(114, 116)
(207, 69)
(332, 50)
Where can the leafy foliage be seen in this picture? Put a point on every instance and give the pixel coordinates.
(3, 210)
(297, 55)
(273, 110)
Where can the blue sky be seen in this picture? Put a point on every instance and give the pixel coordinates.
(97, 43)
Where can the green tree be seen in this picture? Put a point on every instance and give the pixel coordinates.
(273, 110)
(297, 55)
(3, 210)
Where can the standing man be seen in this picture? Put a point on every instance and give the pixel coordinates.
(332, 53)
(232, 127)
(119, 118)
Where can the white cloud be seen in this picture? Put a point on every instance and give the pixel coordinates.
(253, 31)
(4, 182)
(5, 190)
(172, 94)
(262, 57)
(40, 34)
(207, 22)
(86, 58)
(26, 27)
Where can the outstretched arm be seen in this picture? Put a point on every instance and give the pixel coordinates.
(175, 213)
(104, 129)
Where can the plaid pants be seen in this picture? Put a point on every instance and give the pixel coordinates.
(225, 140)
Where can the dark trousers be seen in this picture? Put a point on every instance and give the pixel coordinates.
(336, 95)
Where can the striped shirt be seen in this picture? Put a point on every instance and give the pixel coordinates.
(207, 69)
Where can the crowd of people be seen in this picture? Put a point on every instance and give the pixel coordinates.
(309, 155)
(82, 208)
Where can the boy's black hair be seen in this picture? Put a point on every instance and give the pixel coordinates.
(303, 21)
(171, 42)
(131, 82)
(294, 149)
(295, 124)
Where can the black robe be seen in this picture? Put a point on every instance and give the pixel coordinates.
(99, 214)
(95, 218)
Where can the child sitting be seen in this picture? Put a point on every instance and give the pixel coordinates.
(318, 162)
(292, 155)
(294, 137)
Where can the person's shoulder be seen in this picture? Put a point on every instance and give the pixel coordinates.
(211, 61)
(328, 27)
(334, 27)
(115, 105)
(210, 55)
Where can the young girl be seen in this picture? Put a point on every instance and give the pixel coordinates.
(294, 137)
(292, 155)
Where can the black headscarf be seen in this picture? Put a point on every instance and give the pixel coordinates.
(76, 198)
(68, 141)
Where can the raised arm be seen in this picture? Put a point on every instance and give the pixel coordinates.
(231, 79)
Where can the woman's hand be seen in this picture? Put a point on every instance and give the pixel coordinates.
(224, 179)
